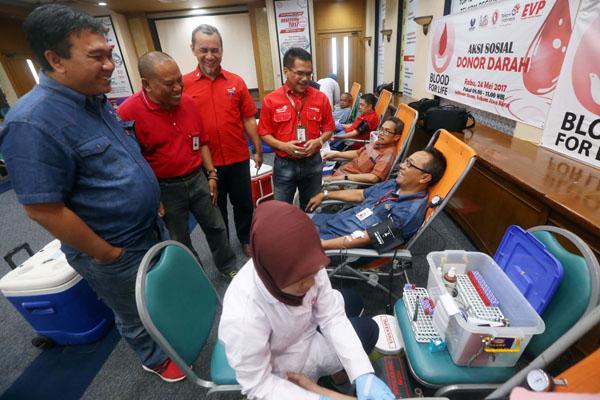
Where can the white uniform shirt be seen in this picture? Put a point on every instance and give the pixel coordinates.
(265, 338)
(331, 89)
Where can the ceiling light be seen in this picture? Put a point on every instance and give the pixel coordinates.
(101, 3)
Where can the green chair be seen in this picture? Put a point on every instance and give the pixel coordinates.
(578, 289)
(575, 297)
(177, 305)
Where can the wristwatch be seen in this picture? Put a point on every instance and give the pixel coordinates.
(211, 171)
(326, 193)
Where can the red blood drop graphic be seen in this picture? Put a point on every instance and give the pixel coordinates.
(443, 41)
(442, 47)
(586, 69)
(547, 50)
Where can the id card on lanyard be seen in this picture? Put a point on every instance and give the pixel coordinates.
(195, 141)
(300, 129)
(367, 212)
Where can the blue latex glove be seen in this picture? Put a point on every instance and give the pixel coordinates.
(370, 387)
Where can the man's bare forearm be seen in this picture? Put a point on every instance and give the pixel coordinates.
(351, 195)
(367, 177)
(250, 128)
(67, 227)
(207, 162)
(348, 135)
(347, 242)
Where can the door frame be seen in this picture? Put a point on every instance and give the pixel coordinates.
(359, 57)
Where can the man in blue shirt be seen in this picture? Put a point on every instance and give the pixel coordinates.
(78, 170)
(404, 199)
(341, 112)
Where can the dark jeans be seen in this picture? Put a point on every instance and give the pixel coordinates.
(305, 174)
(180, 196)
(114, 283)
(366, 329)
(234, 180)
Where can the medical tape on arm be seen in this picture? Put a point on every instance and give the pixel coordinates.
(357, 235)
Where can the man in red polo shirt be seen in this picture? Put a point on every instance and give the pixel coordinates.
(174, 143)
(227, 109)
(359, 129)
(291, 121)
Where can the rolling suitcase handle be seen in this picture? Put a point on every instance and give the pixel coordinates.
(9, 256)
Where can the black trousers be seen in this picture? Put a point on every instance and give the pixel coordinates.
(234, 181)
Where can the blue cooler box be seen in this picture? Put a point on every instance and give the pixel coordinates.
(56, 301)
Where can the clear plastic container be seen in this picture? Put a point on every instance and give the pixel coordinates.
(465, 340)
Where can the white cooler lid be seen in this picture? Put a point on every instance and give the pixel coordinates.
(46, 269)
(390, 339)
(264, 169)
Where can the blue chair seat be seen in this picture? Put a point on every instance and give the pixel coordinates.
(438, 369)
(220, 371)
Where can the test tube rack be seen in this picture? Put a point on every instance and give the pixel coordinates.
(473, 302)
(423, 326)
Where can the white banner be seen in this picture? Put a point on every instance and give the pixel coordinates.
(120, 84)
(464, 5)
(409, 46)
(380, 43)
(573, 126)
(504, 58)
(293, 30)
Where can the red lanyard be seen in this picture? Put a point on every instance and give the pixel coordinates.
(294, 105)
(384, 199)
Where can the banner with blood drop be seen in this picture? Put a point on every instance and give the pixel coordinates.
(503, 58)
(573, 125)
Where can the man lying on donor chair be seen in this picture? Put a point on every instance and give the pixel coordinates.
(396, 204)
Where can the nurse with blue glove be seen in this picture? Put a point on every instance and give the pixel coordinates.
(273, 307)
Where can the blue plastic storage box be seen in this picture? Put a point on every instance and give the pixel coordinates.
(533, 270)
(56, 301)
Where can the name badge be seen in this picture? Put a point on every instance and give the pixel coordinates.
(301, 133)
(367, 212)
(195, 143)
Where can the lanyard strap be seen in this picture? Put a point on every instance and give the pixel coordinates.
(294, 105)
(384, 199)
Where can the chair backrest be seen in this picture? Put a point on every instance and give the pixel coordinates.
(382, 104)
(409, 116)
(576, 295)
(460, 157)
(354, 92)
(176, 302)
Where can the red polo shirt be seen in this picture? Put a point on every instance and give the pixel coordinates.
(279, 119)
(222, 104)
(165, 136)
(372, 121)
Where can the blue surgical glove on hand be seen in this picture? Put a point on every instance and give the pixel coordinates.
(370, 387)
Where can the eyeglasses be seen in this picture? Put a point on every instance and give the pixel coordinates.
(387, 131)
(301, 74)
(409, 164)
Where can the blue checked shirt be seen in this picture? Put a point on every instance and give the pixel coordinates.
(61, 146)
(407, 210)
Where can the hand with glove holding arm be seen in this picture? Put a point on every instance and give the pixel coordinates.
(370, 387)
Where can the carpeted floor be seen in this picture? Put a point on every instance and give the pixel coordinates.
(96, 372)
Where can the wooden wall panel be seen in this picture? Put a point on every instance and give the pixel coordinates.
(332, 16)
(486, 205)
